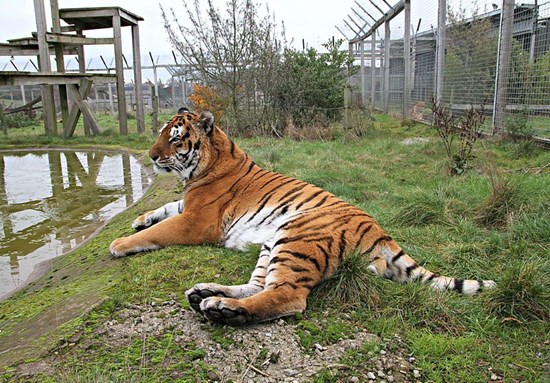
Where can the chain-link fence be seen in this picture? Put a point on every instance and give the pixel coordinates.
(494, 59)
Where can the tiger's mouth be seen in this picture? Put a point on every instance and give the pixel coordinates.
(163, 166)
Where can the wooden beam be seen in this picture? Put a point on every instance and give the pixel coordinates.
(58, 38)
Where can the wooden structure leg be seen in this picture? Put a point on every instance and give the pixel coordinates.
(80, 105)
(121, 92)
(137, 79)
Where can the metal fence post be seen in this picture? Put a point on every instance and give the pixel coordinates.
(503, 65)
(440, 62)
(407, 59)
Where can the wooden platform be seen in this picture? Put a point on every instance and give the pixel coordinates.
(70, 39)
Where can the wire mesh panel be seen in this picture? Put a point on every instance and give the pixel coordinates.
(480, 67)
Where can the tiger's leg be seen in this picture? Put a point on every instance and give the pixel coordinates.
(155, 216)
(200, 291)
(291, 274)
(187, 228)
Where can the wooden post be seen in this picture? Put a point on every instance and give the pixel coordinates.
(407, 60)
(82, 69)
(48, 102)
(140, 117)
(121, 95)
(60, 62)
(387, 54)
(155, 114)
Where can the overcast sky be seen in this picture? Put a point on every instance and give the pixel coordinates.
(311, 20)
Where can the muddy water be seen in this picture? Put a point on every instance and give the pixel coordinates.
(51, 201)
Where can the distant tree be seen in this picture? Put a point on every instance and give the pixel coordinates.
(235, 51)
(311, 84)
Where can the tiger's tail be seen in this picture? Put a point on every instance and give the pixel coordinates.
(389, 260)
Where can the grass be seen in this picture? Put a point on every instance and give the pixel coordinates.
(463, 226)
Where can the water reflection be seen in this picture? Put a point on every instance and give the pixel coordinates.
(52, 201)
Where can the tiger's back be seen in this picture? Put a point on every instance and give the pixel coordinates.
(305, 231)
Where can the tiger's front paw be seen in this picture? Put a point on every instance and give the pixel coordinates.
(124, 246)
(224, 310)
(144, 221)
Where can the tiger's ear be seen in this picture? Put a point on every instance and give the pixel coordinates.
(206, 123)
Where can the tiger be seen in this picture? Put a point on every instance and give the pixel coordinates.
(304, 232)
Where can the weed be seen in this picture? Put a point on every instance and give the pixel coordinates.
(522, 293)
(502, 201)
(518, 126)
(423, 208)
(351, 287)
(468, 130)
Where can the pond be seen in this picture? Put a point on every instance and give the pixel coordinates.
(52, 201)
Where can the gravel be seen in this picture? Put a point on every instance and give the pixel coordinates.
(269, 352)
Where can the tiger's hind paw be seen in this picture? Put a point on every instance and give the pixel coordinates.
(223, 310)
(201, 291)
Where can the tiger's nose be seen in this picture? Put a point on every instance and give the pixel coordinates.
(153, 154)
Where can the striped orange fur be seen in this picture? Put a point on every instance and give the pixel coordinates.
(304, 231)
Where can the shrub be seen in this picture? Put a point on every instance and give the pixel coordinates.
(467, 129)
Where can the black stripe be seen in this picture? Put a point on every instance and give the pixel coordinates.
(376, 242)
(480, 286)
(297, 269)
(365, 232)
(268, 196)
(304, 279)
(432, 277)
(458, 285)
(410, 269)
(232, 149)
(277, 176)
(278, 285)
(327, 256)
(342, 246)
(308, 199)
(277, 259)
(397, 256)
(303, 257)
(322, 201)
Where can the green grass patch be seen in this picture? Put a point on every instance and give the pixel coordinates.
(460, 226)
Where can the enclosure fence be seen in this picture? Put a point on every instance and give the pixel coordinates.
(491, 55)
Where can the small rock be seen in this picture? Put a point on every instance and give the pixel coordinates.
(354, 379)
(381, 374)
(390, 378)
(494, 376)
(318, 347)
(290, 372)
(416, 373)
(383, 352)
(371, 375)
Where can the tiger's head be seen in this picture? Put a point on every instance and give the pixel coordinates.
(182, 144)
